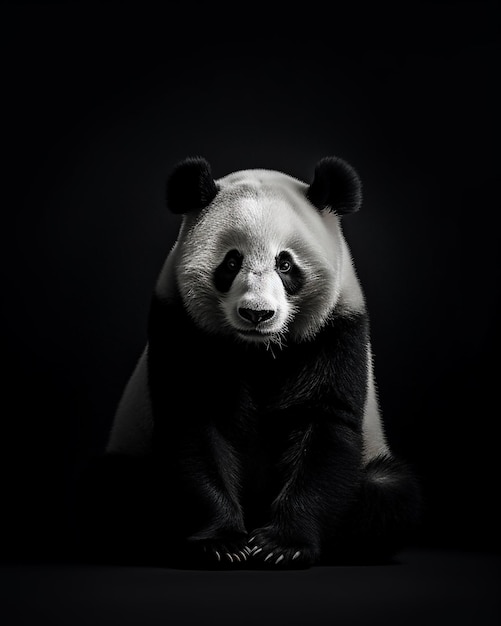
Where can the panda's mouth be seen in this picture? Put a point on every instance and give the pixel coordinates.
(254, 334)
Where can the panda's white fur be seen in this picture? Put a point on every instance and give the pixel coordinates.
(261, 213)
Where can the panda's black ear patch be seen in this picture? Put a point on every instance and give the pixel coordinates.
(190, 186)
(336, 186)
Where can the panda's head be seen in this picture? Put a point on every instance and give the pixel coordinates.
(260, 255)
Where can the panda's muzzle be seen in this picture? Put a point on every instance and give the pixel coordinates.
(255, 316)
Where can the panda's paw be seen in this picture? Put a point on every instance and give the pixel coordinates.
(231, 551)
(269, 548)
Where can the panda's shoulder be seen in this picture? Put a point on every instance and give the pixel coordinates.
(341, 335)
(341, 323)
(171, 328)
(169, 321)
(341, 327)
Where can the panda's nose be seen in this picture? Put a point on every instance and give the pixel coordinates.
(255, 316)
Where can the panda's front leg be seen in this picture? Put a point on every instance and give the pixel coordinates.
(321, 474)
(211, 476)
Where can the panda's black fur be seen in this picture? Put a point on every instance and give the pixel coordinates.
(257, 454)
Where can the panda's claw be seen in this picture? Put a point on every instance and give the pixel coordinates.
(273, 548)
(222, 551)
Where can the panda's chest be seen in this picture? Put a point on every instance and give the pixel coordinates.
(281, 382)
(269, 403)
(264, 385)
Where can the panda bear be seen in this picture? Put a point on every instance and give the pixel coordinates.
(249, 433)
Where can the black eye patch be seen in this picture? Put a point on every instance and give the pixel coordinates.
(290, 274)
(227, 270)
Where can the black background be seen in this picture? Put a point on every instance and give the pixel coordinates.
(100, 101)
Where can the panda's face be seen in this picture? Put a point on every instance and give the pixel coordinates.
(258, 281)
(260, 263)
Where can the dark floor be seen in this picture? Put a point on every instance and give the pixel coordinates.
(424, 587)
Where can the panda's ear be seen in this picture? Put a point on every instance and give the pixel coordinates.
(190, 186)
(336, 186)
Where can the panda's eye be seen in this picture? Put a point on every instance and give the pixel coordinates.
(284, 263)
(233, 261)
(290, 273)
(284, 266)
(225, 272)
